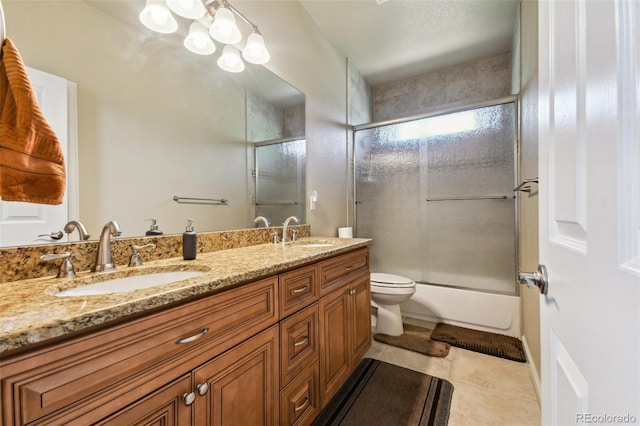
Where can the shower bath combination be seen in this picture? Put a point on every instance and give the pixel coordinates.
(436, 195)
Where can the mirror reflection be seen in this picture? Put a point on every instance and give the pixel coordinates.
(148, 121)
(276, 128)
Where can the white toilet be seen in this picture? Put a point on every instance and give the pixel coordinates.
(387, 292)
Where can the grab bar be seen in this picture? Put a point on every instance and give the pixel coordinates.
(187, 200)
(523, 188)
(486, 197)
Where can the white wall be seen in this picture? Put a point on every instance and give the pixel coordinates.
(528, 203)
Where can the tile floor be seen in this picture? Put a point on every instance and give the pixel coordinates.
(487, 390)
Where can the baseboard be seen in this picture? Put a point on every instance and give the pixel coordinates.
(535, 378)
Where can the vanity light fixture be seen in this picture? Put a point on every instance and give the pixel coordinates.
(230, 59)
(224, 28)
(211, 19)
(198, 40)
(157, 17)
(192, 9)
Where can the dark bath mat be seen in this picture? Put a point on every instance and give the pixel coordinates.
(499, 345)
(415, 339)
(379, 393)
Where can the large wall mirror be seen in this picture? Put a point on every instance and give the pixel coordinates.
(276, 132)
(154, 120)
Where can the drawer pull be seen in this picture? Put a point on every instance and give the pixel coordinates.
(188, 398)
(302, 342)
(192, 338)
(304, 404)
(348, 268)
(300, 290)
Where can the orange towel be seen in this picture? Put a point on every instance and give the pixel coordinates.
(31, 161)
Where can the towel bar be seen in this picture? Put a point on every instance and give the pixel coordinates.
(487, 197)
(188, 200)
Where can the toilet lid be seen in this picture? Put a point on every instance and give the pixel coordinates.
(390, 280)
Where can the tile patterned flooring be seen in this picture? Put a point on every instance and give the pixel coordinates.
(487, 390)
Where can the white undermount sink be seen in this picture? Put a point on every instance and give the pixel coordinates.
(131, 283)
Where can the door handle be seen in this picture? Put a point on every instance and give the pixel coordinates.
(537, 278)
(54, 235)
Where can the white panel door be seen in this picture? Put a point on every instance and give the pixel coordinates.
(589, 157)
(22, 223)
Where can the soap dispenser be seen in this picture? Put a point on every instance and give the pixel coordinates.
(189, 242)
(154, 228)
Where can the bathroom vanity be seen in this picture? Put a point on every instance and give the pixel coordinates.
(269, 344)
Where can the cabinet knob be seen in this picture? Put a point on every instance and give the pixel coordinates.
(188, 398)
(202, 388)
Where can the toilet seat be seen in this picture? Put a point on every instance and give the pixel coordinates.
(390, 280)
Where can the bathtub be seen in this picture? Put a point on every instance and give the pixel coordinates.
(496, 313)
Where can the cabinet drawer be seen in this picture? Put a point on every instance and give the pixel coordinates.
(90, 367)
(298, 343)
(332, 270)
(300, 400)
(298, 289)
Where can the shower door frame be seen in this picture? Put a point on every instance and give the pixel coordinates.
(516, 170)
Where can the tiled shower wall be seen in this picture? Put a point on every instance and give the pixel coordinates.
(460, 85)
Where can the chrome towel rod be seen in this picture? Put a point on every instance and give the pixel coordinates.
(523, 185)
(187, 200)
(283, 203)
(486, 197)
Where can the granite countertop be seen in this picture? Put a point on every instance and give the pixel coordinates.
(30, 313)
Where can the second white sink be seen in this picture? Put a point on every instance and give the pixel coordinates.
(126, 284)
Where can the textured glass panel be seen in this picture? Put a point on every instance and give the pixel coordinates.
(478, 161)
(387, 186)
(280, 181)
(471, 244)
(465, 243)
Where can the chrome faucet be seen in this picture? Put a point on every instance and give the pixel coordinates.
(285, 225)
(82, 230)
(104, 258)
(261, 219)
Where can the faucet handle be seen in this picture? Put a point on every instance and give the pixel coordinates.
(66, 267)
(294, 235)
(136, 259)
(276, 238)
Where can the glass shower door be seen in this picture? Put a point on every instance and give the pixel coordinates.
(280, 180)
(436, 196)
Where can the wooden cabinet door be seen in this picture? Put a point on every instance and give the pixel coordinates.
(241, 385)
(165, 407)
(360, 302)
(335, 355)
